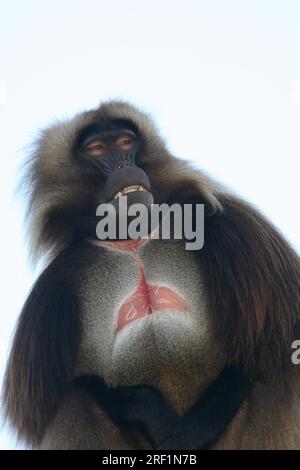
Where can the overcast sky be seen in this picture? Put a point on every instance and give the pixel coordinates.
(221, 79)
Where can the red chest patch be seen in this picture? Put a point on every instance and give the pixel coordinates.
(146, 299)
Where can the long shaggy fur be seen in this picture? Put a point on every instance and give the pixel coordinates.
(252, 274)
(57, 185)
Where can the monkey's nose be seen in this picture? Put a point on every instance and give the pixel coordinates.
(123, 164)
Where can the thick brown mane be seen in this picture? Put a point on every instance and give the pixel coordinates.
(253, 277)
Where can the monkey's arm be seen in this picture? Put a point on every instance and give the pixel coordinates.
(41, 362)
(80, 424)
(252, 276)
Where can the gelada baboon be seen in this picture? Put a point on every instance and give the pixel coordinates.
(131, 344)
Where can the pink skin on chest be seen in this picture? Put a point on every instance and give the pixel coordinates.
(146, 299)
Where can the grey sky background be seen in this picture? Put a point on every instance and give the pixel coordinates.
(221, 79)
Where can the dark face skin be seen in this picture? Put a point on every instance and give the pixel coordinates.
(110, 149)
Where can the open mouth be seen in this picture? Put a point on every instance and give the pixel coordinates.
(130, 189)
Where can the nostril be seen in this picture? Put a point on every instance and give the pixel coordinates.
(123, 164)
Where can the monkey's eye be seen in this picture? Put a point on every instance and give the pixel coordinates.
(96, 148)
(124, 141)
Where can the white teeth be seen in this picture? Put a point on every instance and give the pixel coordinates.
(129, 189)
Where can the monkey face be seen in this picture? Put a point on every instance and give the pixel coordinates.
(178, 335)
(111, 148)
(94, 159)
